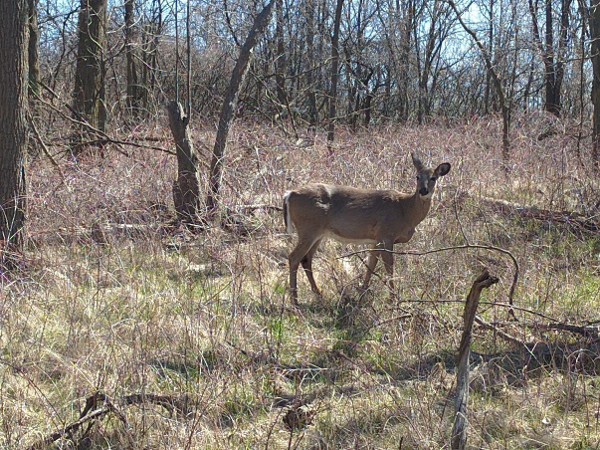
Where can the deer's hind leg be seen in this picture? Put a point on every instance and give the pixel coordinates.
(299, 254)
(307, 266)
(371, 264)
(383, 250)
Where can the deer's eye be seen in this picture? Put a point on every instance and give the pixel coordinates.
(432, 179)
(418, 177)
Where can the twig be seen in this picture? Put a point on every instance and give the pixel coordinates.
(105, 137)
(38, 137)
(74, 426)
(500, 333)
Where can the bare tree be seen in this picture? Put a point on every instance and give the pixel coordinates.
(152, 29)
(438, 29)
(594, 20)
(237, 77)
(13, 133)
(553, 56)
(334, 75)
(280, 60)
(309, 12)
(498, 85)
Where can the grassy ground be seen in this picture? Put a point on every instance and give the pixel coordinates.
(204, 320)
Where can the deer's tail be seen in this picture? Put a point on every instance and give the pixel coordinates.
(286, 212)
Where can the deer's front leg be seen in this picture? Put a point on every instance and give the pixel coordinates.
(387, 255)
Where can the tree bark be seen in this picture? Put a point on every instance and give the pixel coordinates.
(407, 23)
(88, 102)
(309, 11)
(185, 189)
(237, 77)
(13, 129)
(150, 41)
(552, 55)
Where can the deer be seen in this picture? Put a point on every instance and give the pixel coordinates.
(347, 214)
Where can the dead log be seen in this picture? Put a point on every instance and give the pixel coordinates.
(459, 430)
(572, 219)
(589, 331)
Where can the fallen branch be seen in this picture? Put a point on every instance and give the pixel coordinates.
(259, 206)
(92, 412)
(72, 427)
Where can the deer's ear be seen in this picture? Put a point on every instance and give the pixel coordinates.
(442, 169)
(417, 161)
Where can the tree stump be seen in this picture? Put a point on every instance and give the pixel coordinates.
(185, 188)
(459, 431)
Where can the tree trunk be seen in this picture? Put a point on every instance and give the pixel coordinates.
(280, 62)
(237, 77)
(151, 35)
(334, 75)
(13, 129)
(406, 32)
(34, 36)
(310, 51)
(133, 88)
(552, 55)
(88, 102)
(550, 103)
(488, 77)
(185, 189)
(595, 57)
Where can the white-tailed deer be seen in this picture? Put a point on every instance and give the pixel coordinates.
(347, 214)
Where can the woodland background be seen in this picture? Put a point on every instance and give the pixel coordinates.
(144, 297)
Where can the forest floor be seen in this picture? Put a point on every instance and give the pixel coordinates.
(187, 339)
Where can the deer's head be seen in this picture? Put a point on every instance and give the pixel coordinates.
(427, 176)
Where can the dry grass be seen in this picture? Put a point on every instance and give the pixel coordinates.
(205, 317)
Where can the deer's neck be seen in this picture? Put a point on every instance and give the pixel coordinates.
(420, 206)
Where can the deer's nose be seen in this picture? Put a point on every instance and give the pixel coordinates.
(423, 191)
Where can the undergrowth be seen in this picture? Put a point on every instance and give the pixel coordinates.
(117, 301)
